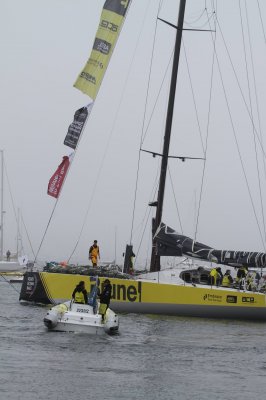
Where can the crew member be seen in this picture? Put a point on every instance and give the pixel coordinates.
(216, 276)
(131, 263)
(80, 294)
(227, 279)
(94, 253)
(241, 273)
(252, 280)
(241, 276)
(8, 254)
(105, 297)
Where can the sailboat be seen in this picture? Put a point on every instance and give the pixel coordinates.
(10, 263)
(189, 293)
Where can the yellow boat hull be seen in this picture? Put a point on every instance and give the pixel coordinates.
(139, 296)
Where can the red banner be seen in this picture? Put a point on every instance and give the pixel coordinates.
(56, 182)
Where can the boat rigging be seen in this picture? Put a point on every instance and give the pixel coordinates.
(189, 293)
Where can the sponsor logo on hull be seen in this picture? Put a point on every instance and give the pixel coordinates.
(212, 297)
(122, 292)
(231, 299)
(248, 299)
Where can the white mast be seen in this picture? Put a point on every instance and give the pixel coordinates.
(18, 234)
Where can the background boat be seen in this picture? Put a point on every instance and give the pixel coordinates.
(14, 261)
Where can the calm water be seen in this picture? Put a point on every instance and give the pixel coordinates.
(152, 358)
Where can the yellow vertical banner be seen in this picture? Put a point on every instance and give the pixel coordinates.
(112, 18)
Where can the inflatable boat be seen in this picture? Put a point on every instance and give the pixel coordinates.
(74, 317)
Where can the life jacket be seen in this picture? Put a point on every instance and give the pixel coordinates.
(226, 282)
(215, 275)
(94, 253)
(79, 297)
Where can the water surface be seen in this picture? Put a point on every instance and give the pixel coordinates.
(152, 358)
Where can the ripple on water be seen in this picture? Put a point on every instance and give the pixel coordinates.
(152, 358)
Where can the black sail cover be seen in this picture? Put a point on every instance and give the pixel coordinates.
(171, 243)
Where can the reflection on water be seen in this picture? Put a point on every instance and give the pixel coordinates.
(153, 357)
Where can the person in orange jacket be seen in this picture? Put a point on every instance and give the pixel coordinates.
(94, 253)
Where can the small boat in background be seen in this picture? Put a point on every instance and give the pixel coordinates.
(16, 279)
(13, 277)
(74, 317)
(12, 261)
(11, 267)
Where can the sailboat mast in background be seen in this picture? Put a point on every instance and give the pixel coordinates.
(155, 258)
(2, 206)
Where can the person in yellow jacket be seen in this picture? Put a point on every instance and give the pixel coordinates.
(216, 276)
(94, 253)
(227, 279)
(80, 294)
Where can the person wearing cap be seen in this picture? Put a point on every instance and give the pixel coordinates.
(216, 276)
(105, 297)
(80, 294)
(227, 279)
(94, 253)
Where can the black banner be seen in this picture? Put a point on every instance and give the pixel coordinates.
(76, 127)
(117, 6)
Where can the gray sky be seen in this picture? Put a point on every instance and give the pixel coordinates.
(44, 46)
